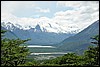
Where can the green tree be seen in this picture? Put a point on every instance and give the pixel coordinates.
(96, 40)
(12, 54)
(92, 54)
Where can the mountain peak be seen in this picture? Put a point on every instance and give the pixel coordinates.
(8, 26)
(37, 28)
(44, 27)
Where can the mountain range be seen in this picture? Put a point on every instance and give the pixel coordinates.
(80, 41)
(37, 34)
(73, 40)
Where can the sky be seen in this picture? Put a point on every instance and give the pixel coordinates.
(33, 9)
(82, 13)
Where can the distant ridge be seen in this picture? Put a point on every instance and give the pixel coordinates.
(80, 41)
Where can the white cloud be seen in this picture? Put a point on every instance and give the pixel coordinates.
(83, 14)
(69, 3)
(6, 16)
(77, 4)
(45, 10)
(12, 6)
(38, 9)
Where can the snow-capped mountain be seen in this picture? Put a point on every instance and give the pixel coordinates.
(45, 24)
(41, 32)
(43, 27)
(38, 34)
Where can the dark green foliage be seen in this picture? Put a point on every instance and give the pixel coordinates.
(70, 59)
(93, 53)
(12, 54)
(96, 38)
(92, 56)
(2, 32)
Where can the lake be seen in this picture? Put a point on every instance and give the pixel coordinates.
(40, 52)
(41, 46)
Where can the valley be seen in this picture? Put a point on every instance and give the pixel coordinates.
(49, 33)
(44, 52)
(53, 43)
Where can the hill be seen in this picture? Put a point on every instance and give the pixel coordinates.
(80, 41)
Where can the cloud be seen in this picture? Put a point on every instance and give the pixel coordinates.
(68, 3)
(77, 4)
(13, 6)
(7, 16)
(38, 9)
(83, 14)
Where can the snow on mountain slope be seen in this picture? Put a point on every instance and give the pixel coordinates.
(40, 34)
(41, 30)
(44, 27)
(46, 24)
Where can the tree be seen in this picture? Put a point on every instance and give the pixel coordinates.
(12, 54)
(96, 40)
(92, 54)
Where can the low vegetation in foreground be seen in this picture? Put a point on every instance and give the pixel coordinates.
(14, 55)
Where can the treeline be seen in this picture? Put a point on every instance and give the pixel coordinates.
(14, 55)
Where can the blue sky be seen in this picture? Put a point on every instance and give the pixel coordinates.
(21, 9)
(34, 10)
(80, 13)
